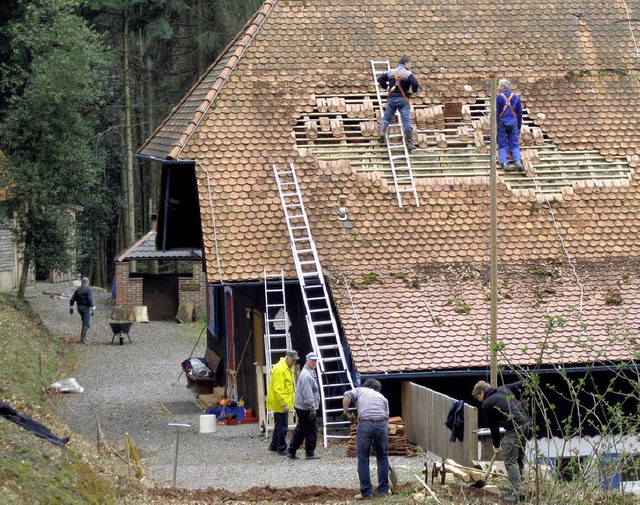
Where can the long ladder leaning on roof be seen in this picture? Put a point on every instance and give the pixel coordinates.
(396, 142)
(276, 325)
(334, 376)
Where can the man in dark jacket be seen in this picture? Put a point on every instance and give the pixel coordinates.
(502, 409)
(400, 82)
(83, 297)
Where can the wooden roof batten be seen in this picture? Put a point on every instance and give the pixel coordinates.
(336, 130)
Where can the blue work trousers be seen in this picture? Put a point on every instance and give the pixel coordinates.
(397, 102)
(508, 135)
(376, 433)
(279, 437)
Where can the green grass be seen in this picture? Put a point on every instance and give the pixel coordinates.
(33, 470)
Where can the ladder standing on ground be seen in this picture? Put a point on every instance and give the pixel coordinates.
(276, 325)
(334, 376)
(396, 142)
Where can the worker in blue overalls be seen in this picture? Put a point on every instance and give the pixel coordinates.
(400, 82)
(509, 113)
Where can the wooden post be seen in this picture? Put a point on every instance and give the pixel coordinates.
(494, 234)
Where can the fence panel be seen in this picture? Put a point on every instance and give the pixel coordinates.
(424, 412)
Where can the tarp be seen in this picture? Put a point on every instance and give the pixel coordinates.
(29, 424)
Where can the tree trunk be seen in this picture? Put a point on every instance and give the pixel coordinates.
(24, 276)
(129, 222)
(200, 45)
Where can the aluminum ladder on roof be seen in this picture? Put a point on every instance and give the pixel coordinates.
(396, 143)
(276, 325)
(334, 376)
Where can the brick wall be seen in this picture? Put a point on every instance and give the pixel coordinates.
(194, 289)
(128, 291)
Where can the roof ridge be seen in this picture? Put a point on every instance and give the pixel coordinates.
(242, 39)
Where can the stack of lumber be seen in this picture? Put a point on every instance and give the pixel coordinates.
(398, 443)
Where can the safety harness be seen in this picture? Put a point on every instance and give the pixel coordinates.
(398, 84)
(507, 104)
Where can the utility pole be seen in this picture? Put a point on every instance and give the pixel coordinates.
(494, 234)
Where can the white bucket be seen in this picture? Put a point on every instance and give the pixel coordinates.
(208, 423)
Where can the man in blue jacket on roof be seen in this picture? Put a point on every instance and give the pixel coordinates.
(401, 83)
(509, 114)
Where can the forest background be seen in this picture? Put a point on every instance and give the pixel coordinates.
(82, 84)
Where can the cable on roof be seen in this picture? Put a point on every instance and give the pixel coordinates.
(355, 314)
(213, 218)
(633, 37)
(564, 248)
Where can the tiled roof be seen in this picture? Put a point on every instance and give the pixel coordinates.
(145, 249)
(571, 61)
(412, 317)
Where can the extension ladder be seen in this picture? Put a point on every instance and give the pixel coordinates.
(396, 143)
(333, 373)
(276, 326)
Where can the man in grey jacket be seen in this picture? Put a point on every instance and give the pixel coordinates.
(306, 403)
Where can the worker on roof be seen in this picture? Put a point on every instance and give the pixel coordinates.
(401, 83)
(509, 114)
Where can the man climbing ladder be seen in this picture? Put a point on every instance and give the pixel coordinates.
(400, 82)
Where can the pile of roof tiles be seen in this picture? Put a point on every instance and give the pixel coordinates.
(398, 443)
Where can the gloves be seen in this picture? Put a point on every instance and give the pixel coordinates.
(345, 416)
(312, 415)
(497, 450)
(93, 311)
(285, 409)
(70, 310)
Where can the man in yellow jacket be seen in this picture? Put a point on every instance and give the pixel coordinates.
(280, 400)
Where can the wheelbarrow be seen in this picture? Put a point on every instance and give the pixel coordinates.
(120, 330)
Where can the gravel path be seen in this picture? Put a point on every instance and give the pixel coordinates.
(126, 387)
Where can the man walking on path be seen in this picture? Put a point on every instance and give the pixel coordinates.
(400, 82)
(83, 297)
(509, 114)
(502, 409)
(306, 402)
(280, 400)
(373, 428)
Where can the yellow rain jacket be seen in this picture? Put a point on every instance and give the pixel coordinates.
(280, 392)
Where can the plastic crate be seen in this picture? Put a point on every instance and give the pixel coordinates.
(239, 412)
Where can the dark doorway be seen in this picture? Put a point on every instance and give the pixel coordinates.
(160, 295)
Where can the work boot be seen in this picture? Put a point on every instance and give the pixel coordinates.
(410, 145)
(508, 168)
(360, 496)
(311, 456)
(83, 336)
(291, 454)
(519, 166)
(383, 135)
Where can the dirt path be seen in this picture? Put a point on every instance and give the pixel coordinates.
(134, 389)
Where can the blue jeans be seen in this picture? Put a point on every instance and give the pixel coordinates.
(508, 135)
(395, 103)
(280, 427)
(376, 433)
(85, 314)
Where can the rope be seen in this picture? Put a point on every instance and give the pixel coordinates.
(362, 337)
(564, 248)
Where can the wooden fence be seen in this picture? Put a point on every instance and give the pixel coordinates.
(424, 412)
